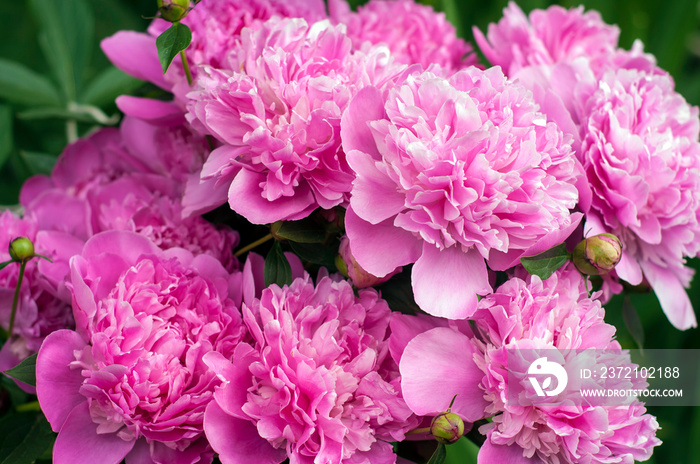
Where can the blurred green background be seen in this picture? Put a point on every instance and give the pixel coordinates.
(52, 48)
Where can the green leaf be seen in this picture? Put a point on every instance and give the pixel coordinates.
(77, 114)
(25, 371)
(6, 137)
(39, 163)
(439, 455)
(463, 451)
(29, 446)
(277, 268)
(108, 85)
(67, 33)
(171, 42)
(19, 84)
(302, 231)
(4, 264)
(544, 264)
(398, 293)
(632, 321)
(314, 253)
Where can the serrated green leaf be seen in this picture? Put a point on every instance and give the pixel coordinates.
(632, 322)
(30, 446)
(277, 268)
(6, 137)
(314, 253)
(67, 34)
(171, 42)
(302, 231)
(546, 263)
(19, 84)
(439, 455)
(108, 85)
(25, 371)
(39, 163)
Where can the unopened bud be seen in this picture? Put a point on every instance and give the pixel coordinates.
(447, 427)
(21, 249)
(346, 264)
(173, 10)
(597, 255)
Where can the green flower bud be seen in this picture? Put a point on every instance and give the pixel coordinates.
(447, 427)
(173, 10)
(597, 255)
(21, 249)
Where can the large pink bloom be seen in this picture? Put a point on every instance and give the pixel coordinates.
(277, 111)
(451, 173)
(527, 318)
(414, 33)
(315, 385)
(130, 380)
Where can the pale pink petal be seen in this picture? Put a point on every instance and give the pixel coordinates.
(57, 384)
(374, 197)
(398, 246)
(354, 129)
(446, 282)
(78, 441)
(501, 454)
(672, 296)
(436, 366)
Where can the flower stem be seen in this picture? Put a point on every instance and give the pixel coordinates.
(15, 301)
(253, 245)
(417, 431)
(186, 67)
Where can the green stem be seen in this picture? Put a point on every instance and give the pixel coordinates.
(15, 301)
(417, 431)
(253, 245)
(186, 67)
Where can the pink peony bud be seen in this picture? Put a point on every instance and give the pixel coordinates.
(21, 249)
(597, 255)
(447, 427)
(346, 264)
(173, 10)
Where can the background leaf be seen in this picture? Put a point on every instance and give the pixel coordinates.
(19, 84)
(171, 42)
(302, 231)
(25, 371)
(27, 436)
(108, 85)
(632, 322)
(546, 263)
(6, 136)
(439, 455)
(277, 268)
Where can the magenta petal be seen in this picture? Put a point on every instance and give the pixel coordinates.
(672, 296)
(136, 54)
(78, 441)
(237, 440)
(369, 185)
(232, 395)
(57, 385)
(436, 366)
(154, 111)
(128, 245)
(202, 196)
(398, 246)
(501, 454)
(446, 282)
(355, 133)
(245, 198)
(405, 328)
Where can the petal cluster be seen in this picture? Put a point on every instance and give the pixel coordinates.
(316, 382)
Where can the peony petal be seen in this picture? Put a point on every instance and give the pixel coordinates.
(405, 328)
(446, 282)
(245, 198)
(366, 106)
(57, 385)
(136, 54)
(236, 440)
(501, 454)
(371, 185)
(398, 246)
(154, 111)
(672, 296)
(78, 441)
(436, 366)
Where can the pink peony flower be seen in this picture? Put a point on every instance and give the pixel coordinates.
(277, 110)
(40, 309)
(130, 381)
(316, 384)
(129, 180)
(546, 37)
(358, 276)
(414, 33)
(451, 173)
(528, 317)
(216, 26)
(642, 158)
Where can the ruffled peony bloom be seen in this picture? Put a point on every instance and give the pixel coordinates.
(40, 309)
(216, 27)
(131, 179)
(277, 112)
(414, 33)
(130, 381)
(642, 158)
(347, 264)
(527, 318)
(451, 173)
(316, 384)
